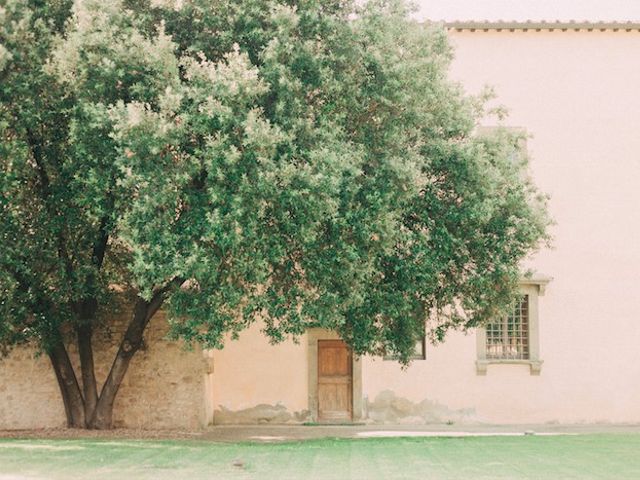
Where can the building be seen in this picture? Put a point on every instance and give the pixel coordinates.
(571, 352)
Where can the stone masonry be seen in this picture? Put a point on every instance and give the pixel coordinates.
(164, 387)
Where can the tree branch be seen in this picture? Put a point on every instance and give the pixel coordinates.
(84, 333)
(68, 383)
(45, 183)
(100, 246)
(38, 158)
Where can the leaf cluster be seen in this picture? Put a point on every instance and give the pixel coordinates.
(300, 163)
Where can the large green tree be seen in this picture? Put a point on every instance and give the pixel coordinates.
(295, 162)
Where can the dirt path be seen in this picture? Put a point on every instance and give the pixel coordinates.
(278, 433)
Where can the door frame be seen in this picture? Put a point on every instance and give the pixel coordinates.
(313, 335)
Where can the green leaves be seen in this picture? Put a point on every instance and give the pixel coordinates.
(300, 165)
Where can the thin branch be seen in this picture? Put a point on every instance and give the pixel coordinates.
(38, 158)
(45, 183)
(158, 298)
(100, 246)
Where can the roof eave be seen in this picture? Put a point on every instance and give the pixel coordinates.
(499, 25)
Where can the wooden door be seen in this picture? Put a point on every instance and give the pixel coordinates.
(335, 382)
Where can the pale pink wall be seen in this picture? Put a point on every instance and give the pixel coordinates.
(578, 94)
(250, 371)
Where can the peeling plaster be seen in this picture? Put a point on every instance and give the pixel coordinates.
(387, 408)
(260, 414)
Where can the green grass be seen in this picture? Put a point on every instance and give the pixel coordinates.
(583, 457)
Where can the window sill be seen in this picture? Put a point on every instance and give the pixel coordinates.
(534, 365)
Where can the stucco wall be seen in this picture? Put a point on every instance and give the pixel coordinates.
(576, 94)
(164, 387)
(250, 371)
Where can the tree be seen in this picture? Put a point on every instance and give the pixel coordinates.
(300, 163)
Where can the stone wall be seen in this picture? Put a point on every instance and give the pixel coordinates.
(164, 387)
(29, 394)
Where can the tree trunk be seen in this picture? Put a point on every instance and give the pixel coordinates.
(83, 407)
(69, 388)
(89, 384)
(102, 417)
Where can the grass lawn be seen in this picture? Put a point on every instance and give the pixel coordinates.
(584, 457)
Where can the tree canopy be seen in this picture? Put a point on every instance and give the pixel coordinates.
(298, 163)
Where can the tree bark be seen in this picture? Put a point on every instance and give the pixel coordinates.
(69, 388)
(87, 311)
(87, 369)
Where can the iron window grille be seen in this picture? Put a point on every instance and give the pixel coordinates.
(508, 338)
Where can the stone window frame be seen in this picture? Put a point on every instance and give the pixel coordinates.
(208, 389)
(534, 287)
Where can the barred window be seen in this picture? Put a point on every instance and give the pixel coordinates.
(514, 339)
(508, 338)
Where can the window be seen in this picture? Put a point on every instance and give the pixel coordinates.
(508, 338)
(419, 352)
(514, 339)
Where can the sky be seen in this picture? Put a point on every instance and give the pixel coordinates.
(520, 10)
